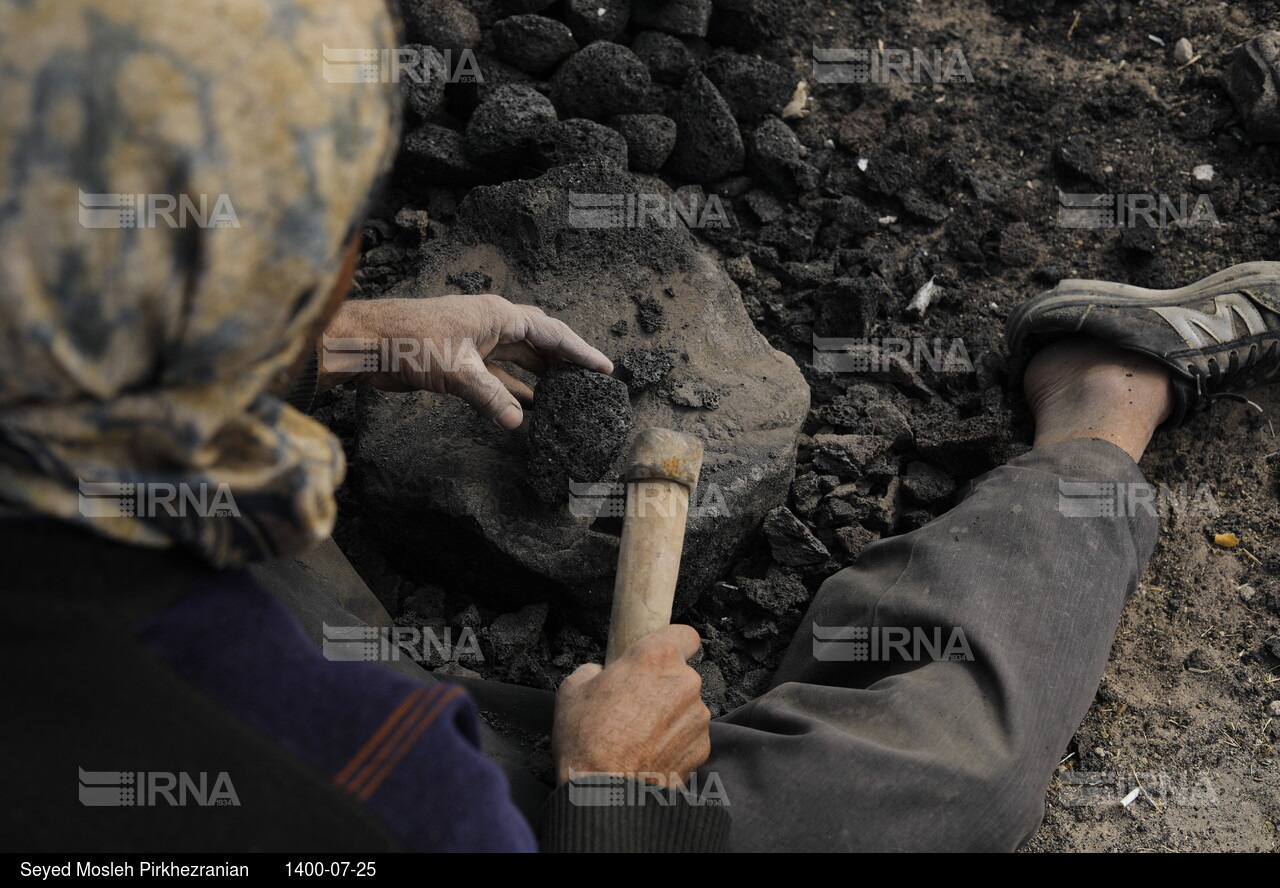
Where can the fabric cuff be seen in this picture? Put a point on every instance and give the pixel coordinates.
(1084, 459)
(607, 814)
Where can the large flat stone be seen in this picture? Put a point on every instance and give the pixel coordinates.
(451, 494)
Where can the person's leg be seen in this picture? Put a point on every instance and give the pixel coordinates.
(881, 751)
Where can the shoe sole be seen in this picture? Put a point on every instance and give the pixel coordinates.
(1246, 276)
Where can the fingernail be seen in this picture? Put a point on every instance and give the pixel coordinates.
(510, 417)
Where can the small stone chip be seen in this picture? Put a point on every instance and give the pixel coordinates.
(649, 314)
(684, 394)
(644, 368)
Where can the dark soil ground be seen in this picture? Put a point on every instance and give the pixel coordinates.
(1067, 95)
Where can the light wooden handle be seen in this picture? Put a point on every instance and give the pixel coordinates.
(648, 562)
(663, 470)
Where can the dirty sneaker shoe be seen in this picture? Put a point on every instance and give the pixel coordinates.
(1218, 337)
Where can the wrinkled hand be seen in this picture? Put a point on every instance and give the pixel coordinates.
(643, 715)
(449, 345)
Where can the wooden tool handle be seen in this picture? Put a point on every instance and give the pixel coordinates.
(648, 562)
(662, 471)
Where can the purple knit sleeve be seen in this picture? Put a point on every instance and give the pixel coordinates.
(408, 751)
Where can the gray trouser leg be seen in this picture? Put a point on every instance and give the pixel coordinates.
(917, 753)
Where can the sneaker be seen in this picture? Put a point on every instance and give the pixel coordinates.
(1218, 337)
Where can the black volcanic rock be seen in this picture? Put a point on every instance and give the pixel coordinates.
(708, 145)
(600, 81)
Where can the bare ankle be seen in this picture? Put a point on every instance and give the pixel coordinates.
(1083, 388)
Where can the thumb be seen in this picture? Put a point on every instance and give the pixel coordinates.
(581, 675)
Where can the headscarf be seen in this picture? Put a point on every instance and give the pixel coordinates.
(139, 355)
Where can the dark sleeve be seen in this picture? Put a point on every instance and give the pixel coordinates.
(303, 394)
(617, 815)
(408, 752)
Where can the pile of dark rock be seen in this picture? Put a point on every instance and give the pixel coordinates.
(501, 88)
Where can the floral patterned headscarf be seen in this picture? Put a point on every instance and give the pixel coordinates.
(178, 181)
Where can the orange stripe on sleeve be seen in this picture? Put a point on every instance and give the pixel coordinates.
(404, 747)
(388, 746)
(410, 702)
